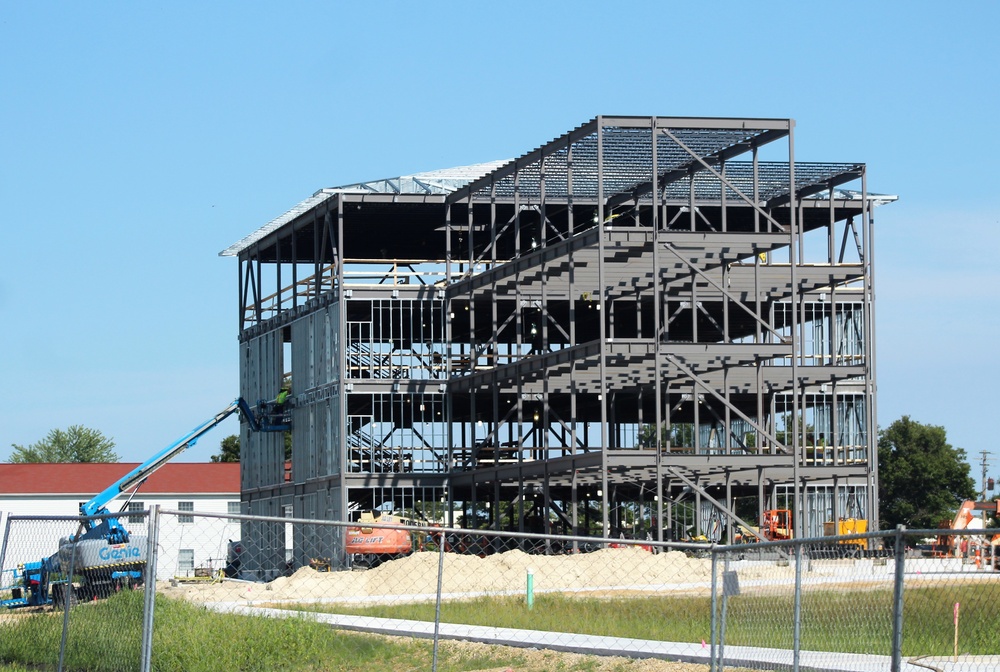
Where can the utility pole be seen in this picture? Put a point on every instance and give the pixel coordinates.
(985, 455)
(982, 498)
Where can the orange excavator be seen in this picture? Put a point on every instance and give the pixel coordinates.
(371, 546)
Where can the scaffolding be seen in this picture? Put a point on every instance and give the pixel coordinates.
(649, 326)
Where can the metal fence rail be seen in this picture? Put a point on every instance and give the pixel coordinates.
(865, 602)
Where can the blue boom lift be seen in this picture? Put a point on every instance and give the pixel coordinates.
(103, 555)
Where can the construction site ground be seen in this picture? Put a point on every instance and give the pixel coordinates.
(603, 573)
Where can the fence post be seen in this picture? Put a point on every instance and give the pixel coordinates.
(67, 596)
(797, 626)
(899, 553)
(730, 586)
(714, 625)
(437, 606)
(5, 519)
(149, 583)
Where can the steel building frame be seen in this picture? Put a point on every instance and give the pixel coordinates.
(628, 330)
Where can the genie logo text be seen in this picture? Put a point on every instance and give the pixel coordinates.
(119, 552)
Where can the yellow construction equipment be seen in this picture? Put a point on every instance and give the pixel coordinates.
(846, 526)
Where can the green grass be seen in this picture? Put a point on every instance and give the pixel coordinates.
(846, 621)
(106, 636)
(677, 619)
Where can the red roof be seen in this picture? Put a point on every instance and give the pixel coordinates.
(90, 478)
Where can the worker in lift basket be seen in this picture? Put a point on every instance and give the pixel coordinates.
(278, 410)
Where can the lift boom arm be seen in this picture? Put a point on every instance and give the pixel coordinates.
(97, 505)
(33, 581)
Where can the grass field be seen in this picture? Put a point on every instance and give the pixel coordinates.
(191, 638)
(850, 621)
(187, 637)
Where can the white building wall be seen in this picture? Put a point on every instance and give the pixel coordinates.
(205, 538)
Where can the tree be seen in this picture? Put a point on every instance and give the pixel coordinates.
(229, 449)
(76, 444)
(922, 478)
(680, 434)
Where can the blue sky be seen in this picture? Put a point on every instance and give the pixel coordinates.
(138, 140)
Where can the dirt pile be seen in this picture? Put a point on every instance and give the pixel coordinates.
(416, 577)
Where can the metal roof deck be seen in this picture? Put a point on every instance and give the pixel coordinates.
(690, 156)
(434, 182)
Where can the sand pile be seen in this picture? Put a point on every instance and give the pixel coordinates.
(416, 577)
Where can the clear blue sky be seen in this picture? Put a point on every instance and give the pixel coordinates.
(140, 139)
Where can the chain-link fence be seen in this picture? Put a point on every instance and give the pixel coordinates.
(883, 601)
(886, 601)
(54, 592)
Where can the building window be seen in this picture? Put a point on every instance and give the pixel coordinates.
(234, 508)
(185, 561)
(185, 506)
(137, 507)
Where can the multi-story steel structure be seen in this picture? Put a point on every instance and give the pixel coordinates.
(649, 325)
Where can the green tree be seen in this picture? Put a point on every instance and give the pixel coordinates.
(647, 436)
(681, 434)
(229, 449)
(922, 478)
(74, 444)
